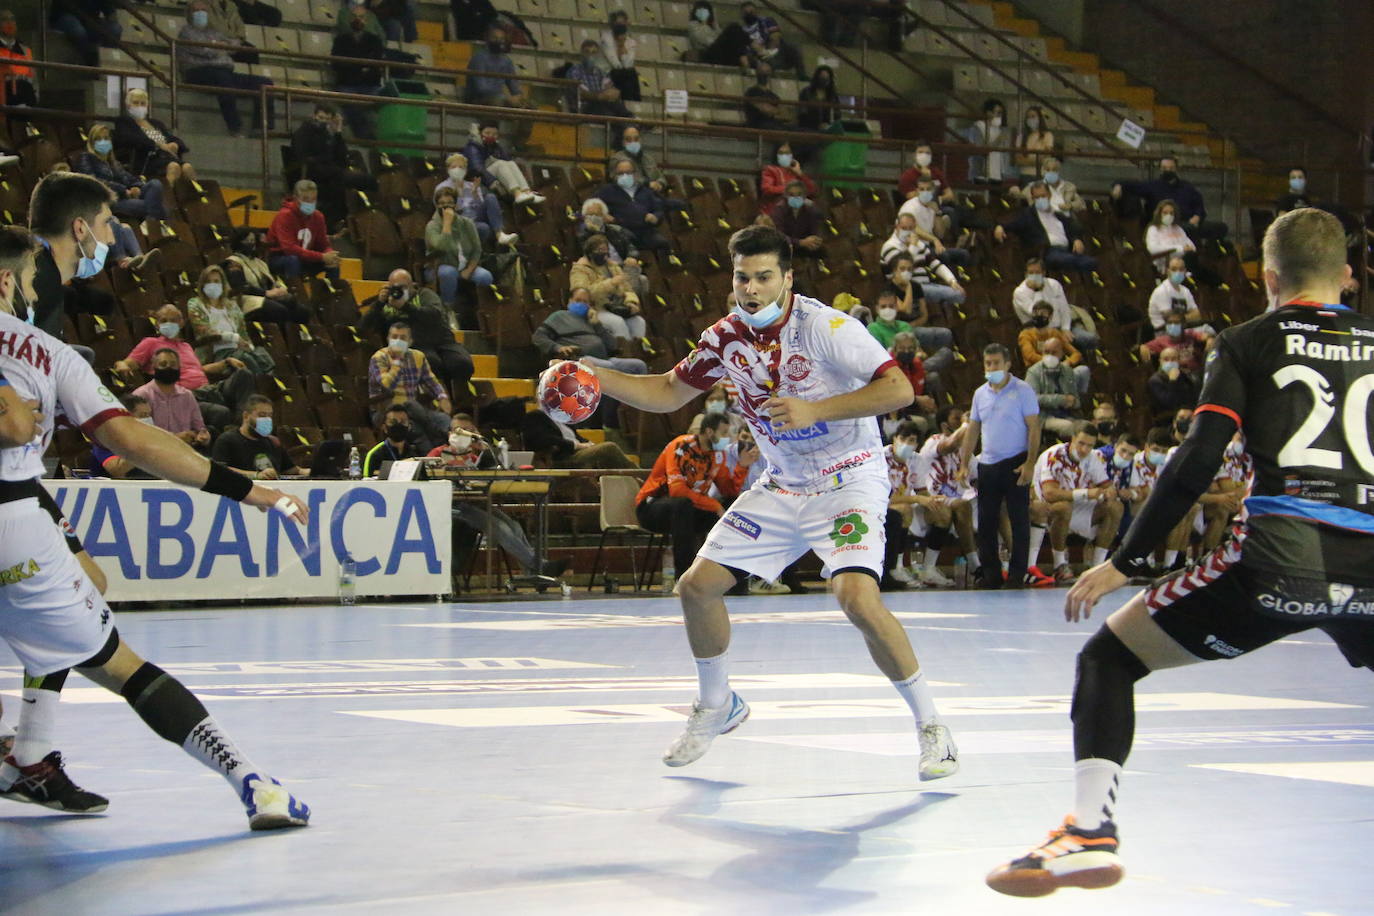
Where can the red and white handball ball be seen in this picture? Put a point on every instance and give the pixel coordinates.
(569, 392)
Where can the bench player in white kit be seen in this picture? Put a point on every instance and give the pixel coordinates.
(811, 381)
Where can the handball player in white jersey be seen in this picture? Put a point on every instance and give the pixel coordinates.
(811, 381)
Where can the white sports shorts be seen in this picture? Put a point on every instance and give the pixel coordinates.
(51, 614)
(1081, 523)
(767, 528)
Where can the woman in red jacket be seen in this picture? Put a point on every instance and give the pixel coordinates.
(774, 178)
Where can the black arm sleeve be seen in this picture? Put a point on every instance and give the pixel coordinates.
(1185, 478)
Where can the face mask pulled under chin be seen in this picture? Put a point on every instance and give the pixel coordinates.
(764, 316)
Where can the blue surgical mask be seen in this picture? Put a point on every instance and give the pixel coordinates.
(764, 316)
(1297, 185)
(398, 344)
(925, 197)
(785, 160)
(580, 309)
(903, 452)
(1157, 458)
(721, 445)
(702, 14)
(1042, 203)
(626, 181)
(1168, 367)
(1235, 449)
(1051, 178)
(1121, 461)
(213, 290)
(996, 376)
(633, 147)
(200, 19)
(89, 267)
(102, 147)
(1173, 330)
(307, 207)
(715, 407)
(795, 202)
(263, 426)
(1177, 277)
(169, 329)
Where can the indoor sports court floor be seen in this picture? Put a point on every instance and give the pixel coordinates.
(504, 758)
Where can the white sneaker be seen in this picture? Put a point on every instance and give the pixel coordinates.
(270, 807)
(507, 238)
(903, 575)
(764, 587)
(702, 728)
(939, 756)
(529, 197)
(932, 576)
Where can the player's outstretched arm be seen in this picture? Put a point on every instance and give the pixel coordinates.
(662, 393)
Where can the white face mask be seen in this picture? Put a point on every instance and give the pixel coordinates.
(138, 112)
(922, 160)
(148, 420)
(887, 314)
(1051, 362)
(457, 174)
(1166, 219)
(902, 276)
(904, 234)
(460, 442)
(715, 407)
(996, 121)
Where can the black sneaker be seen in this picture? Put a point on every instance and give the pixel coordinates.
(46, 783)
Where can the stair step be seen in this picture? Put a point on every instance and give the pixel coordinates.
(510, 387)
(351, 269)
(485, 365)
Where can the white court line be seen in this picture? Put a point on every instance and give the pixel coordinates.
(616, 621)
(365, 665)
(1347, 772)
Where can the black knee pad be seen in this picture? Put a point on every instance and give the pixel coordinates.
(1105, 653)
(163, 703)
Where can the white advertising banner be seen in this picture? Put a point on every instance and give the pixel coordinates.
(161, 542)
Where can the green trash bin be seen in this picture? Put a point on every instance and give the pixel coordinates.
(403, 124)
(845, 162)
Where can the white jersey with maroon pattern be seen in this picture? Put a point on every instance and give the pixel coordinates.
(901, 474)
(1057, 464)
(816, 353)
(43, 368)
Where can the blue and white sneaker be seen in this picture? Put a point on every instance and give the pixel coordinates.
(703, 726)
(270, 807)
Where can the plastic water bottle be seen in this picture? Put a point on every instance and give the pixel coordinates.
(960, 572)
(355, 464)
(669, 574)
(348, 576)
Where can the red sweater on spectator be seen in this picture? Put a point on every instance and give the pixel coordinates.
(192, 375)
(906, 185)
(773, 185)
(306, 237)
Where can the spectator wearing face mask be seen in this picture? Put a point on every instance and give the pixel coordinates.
(105, 463)
(1108, 426)
(990, 130)
(429, 327)
(251, 449)
(298, 239)
(1033, 141)
(219, 326)
(147, 144)
(776, 176)
(1064, 196)
(490, 158)
(137, 199)
(493, 81)
(1165, 238)
(938, 283)
(1056, 236)
(263, 297)
(796, 217)
(213, 68)
(821, 89)
(618, 48)
(1036, 288)
(596, 219)
(321, 155)
(1296, 195)
(399, 440)
(465, 448)
(719, 400)
(933, 225)
(923, 166)
(577, 332)
(1032, 338)
(358, 78)
(400, 376)
(702, 31)
(611, 289)
(1173, 295)
(1171, 387)
(1192, 210)
(647, 169)
(1057, 390)
(171, 407)
(455, 249)
(1190, 344)
(474, 202)
(16, 80)
(635, 207)
(924, 382)
(596, 93)
(763, 108)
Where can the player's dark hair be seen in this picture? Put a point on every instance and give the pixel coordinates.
(596, 238)
(714, 421)
(399, 326)
(1298, 168)
(1305, 247)
(942, 415)
(1161, 436)
(17, 244)
(254, 401)
(754, 240)
(1043, 305)
(161, 350)
(906, 429)
(63, 197)
(996, 349)
(1130, 439)
(130, 401)
(1083, 426)
(1034, 261)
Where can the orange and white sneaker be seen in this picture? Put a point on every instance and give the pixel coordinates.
(1071, 857)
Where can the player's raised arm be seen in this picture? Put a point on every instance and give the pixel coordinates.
(661, 393)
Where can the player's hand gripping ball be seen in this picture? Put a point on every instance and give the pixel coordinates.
(569, 392)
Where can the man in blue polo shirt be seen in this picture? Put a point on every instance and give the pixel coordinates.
(1006, 417)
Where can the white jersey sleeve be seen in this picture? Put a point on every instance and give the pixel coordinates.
(849, 346)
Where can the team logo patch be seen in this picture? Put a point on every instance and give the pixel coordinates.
(849, 529)
(746, 526)
(797, 367)
(836, 323)
(19, 572)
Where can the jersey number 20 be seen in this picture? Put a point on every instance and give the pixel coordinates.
(1298, 452)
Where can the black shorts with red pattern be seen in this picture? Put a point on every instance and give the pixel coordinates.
(1220, 608)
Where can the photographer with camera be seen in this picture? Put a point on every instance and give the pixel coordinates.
(403, 300)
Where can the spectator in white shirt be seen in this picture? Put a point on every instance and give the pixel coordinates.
(1165, 237)
(991, 130)
(1172, 293)
(618, 46)
(938, 283)
(933, 225)
(1064, 196)
(1037, 287)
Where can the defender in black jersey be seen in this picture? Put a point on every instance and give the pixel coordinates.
(1297, 381)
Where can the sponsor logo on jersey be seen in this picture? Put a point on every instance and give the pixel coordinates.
(19, 572)
(1296, 608)
(850, 462)
(848, 529)
(836, 323)
(26, 349)
(1364, 494)
(746, 526)
(799, 435)
(1223, 649)
(1340, 593)
(797, 367)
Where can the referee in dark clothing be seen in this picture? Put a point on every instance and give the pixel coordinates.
(1006, 416)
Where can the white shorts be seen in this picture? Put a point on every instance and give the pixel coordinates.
(766, 528)
(1082, 522)
(51, 614)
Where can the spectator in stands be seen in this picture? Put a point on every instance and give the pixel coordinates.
(219, 400)
(1190, 343)
(775, 177)
(1172, 293)
(298, 241)
(647, 169)
(938, 284)
(923, 166)
(933, 225)
(912, 308)
(500, 89)
(356, 78)
(105, 463)
(320, 154)
(596, 93)
(821, 89)
(465, 448)
(477, 204)
(596, 219)
(453, 246)
(396, 16)
(887, 324)
(1032, 339)
(1164, 238)
(150, 148)
(763, 108)
(702, 31)
(1033, 141)
(1171, 388)
(263, 297)
(1192, 211)
(610, 288)
(214, 68)
(1108, 425)
(1053, 234)
(88, 24)
(172, 406)
(1036, 287)
(17, 85)
(559, 444)
(1056, 387)
(990, 130)
(796, 217)
(1064, 196)
(635, 207)
(924, 383)
(220, 329)
(487, 156)
(676, 500)
(399, 376)
(719, 400)
(343, 17)
(399, 439)
(618, 48)
(1296, 197)
(136, 199)
(577, 332)
(778, 52)
(429, 328)
(226, 17)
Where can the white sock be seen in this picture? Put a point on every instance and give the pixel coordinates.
(213, 748)
(1169, 557)
(1060, 557)
(972, 559)
(1099, 555)
(916, 692)
(1097, 784)
(932, 558)
(1038, 533)
(713, 680)
(36, 734)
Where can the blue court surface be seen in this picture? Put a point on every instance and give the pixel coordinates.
(504, 758)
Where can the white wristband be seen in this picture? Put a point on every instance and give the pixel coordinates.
(1080, 493)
